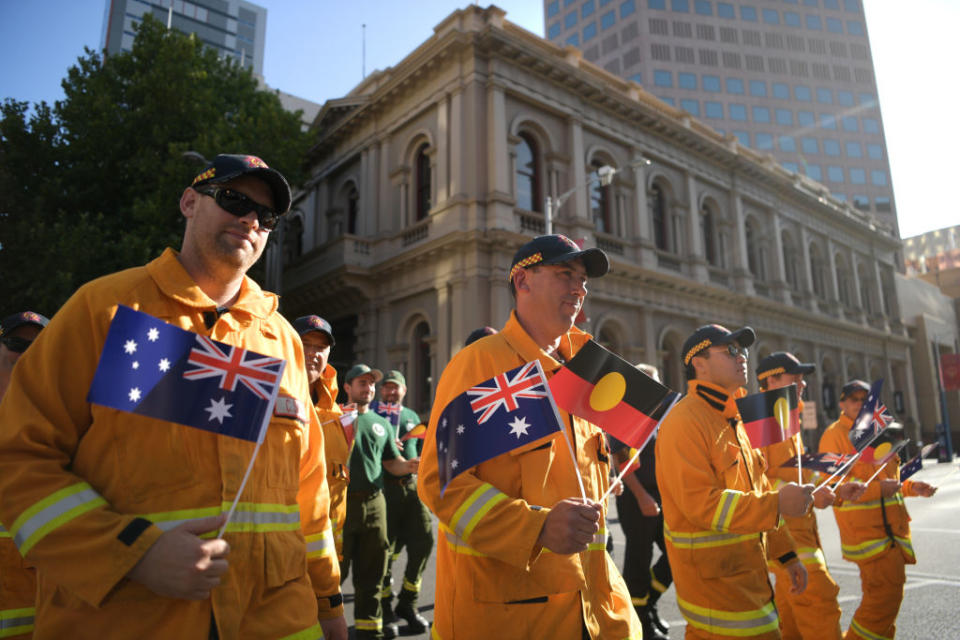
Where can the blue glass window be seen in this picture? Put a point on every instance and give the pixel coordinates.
(681, 6)
(854, 27)
(784, 116)
(871, 125)
(791, 18)
(789, 1)
(553, 31)
(858, 176)
(627, 8)
(738, 112)
(742, 137)
(824, 95)
(867, 99)
(710, 83)
(834, 173)
(805, 118)
(713, 109)
(553, 8)
(813, 22)
(845, 98)
(758, 88)
(657, 4)
(662, 78)
(842, 197)
(781, 90)
(725, 10)
(691, 106)
(854, 150)
(748, 14)
(882, 204)
(787, 143)
(850, 123)
(852, 6)
(607, 19)
(875, 151)
(669, 101)
(831, 147)
(587, 9)
(735, 85)
(687, 80)
(809, 145)
(829, 4)
(802, 93)
(570, 19)
(790, 166)
(814, 3)
(878, 177)
(771, 16)
(813, 170)
(590, 31)
(567, 3)
(574, 40)
(828, 121)
(764, 141)
(760, 114)
(834, 25)
(703, 7)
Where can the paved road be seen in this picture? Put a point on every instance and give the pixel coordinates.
(929, 610)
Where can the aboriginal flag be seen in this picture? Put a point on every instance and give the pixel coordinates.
(603, 388)
(419, 432)
(770, 416)
(879, 449)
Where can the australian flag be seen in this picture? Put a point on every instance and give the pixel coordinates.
(829, 463)
(872, 419)
(388, 410)
(155, 369)
(508, 411)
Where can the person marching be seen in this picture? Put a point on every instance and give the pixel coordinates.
(638, 508)
(18, 580)
(718, 507)
(874, 528)
(521, 557)
(408, 520)
(317, 338)
(813, 614)
(365, 542)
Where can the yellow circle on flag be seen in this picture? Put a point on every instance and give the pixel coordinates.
(881, 450)
(781, 411)
(608, 392)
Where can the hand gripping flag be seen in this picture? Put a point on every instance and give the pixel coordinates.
(770, 416)
(510, 410)
(603, 388)
(828, 463)
(155, 369)
(916, 463)
(872, 419)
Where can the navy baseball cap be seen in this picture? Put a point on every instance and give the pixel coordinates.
(557, 249)
(227, 166)
(306, 324)
(11, 322)
(780, 362)
(712, 334)
(854, 386)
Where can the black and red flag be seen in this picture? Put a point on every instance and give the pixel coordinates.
(770, 416)
(603, 388)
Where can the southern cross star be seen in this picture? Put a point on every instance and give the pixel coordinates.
(219, 410)
(519, 427)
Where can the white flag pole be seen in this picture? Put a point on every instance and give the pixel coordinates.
(837, 472)
(563, 430)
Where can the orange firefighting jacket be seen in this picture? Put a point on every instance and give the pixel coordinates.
(872, 524)
(717, 506)
(18, 591)
(493, 579)
(336, 451)
(85, 490)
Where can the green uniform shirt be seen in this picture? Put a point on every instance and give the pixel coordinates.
(372, 444)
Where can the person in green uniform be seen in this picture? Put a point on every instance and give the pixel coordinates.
(365, 528)
(408, 520)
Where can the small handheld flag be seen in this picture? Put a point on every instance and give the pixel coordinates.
(603, 388)
(510, 410)
(388, 410)
(916, 463)
(887, 457)
(878, 451)
(770, 416)
(829, 463)
(419, 432)
(872, 419)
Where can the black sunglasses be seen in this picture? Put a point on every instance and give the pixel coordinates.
(735, 350)
(15, 344)
(237, 204)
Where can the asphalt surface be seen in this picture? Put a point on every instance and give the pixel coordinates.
(930, 605)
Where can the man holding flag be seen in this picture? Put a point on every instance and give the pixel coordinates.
(813, 614)
(721, 516)
(522, 551)
(117, 510)
(874, 528)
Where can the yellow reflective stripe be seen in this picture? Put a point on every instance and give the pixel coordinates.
(474, 508)
(730, 623)
(313, 633)
(811, 556)
(656, 584)
(14, 622)
(640, 602)
(386, 592)
(872, 504)
(167, 520)
(320, 544)
(53, 511)
(4, 533)
(906, 544)
(434, 634)
(458, 545)
(249, 517)
(866, 634)
(369, 624)
(724, 513)
(411, 586)
(705, 539)
(865, 550)
(598, 543)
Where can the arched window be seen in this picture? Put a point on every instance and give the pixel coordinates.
(609, 339)
(422, 374)
(817, 271)
(528, 174)
(657, 204)
(790, 261)
(423, 183)
(353, 210)
(601, 201)
(708, 228)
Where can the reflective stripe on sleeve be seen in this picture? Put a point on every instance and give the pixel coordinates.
(53, 511)
(740, 624)
(703, 539)
(474, 508)
(906, 545)
(320, 544)
(897, 499)
(725, 508)
(14, 622)
(859, 629)
(313, 633)
(4, 533)
(458, 545)
(811, 556)
(249, 517)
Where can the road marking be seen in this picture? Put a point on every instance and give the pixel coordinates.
(932, 530)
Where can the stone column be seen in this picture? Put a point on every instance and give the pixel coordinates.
(442, 158)
(580, 201)
(497, 166)
(779, 268)
(832, 265)
(743, 279)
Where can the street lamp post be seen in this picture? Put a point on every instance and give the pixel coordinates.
(604, 175)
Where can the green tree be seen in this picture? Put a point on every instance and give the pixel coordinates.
(91, 185)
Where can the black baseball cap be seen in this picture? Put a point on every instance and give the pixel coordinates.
(227, 166)
(853, 386)
(306, 324)
(782, 362)
(11, 322)
(711, 334)
(557, 249)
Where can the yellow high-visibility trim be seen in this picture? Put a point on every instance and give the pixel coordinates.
(368, 624)
(466, 518)
(739, 624)
(51, 512)
(14, 622)
(865, 550)
(723, 516)
(313, 633)
(811, 556)
(866, 634)
(705, 539)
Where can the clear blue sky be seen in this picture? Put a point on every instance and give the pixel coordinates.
(313, 50)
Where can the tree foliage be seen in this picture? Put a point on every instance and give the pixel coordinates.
(92, 185)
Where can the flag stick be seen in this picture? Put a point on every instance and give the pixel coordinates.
(576, 467)
(837, 472)
(799, 463)
(955, 469)
(563, 430)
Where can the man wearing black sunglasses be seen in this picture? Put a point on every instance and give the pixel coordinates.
(119, 511)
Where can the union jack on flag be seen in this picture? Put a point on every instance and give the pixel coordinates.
(504, 390)
(231, 364)
(389, 410)
(872, 419)
(828, 463)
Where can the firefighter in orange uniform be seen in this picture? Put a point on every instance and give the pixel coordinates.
(813, 614)
(114, 508)
(18, 580)
(317, 337)
(518, 556)
(717, 504)
(874, 529)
